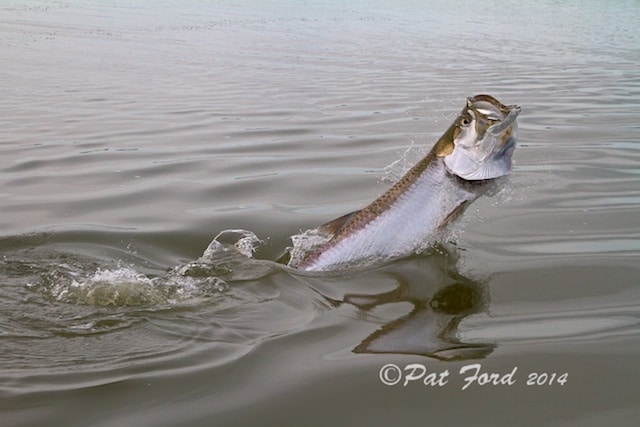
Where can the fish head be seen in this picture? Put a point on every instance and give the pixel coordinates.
(480, 142)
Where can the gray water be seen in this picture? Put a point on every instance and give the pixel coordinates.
(134, 133)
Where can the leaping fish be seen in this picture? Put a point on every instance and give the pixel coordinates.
(475, 150)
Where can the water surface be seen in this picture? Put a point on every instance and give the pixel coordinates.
(133, 133)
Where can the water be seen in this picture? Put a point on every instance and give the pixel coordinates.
(133, 133)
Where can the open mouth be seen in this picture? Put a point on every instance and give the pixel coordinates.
(502, 126)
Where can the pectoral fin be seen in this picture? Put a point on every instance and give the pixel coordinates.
(454, 214)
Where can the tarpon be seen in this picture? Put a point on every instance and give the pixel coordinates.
(475, 150)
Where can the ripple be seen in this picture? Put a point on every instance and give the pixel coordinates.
(549, 326)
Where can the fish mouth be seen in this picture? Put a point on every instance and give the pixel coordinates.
(505, 124)
(503, 133)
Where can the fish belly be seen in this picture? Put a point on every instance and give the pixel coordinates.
(408, 225)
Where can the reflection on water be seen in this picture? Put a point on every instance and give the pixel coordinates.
(441, 297)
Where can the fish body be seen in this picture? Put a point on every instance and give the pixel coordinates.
(475, 150)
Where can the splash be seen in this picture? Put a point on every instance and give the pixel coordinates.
(227, 258)
(244, 241)
(122, 286)
(396, 169)
(306, 242)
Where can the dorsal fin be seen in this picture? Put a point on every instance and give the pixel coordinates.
(334, 226)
